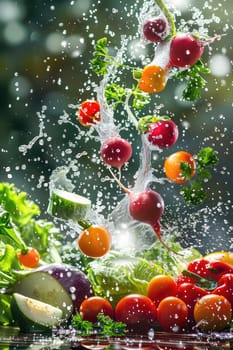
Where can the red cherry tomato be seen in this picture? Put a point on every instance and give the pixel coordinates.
(89, 113)
(91, 307)
(137, 311)
(172, 314)
(29, 258)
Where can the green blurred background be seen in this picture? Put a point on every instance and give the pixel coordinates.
(46, 47)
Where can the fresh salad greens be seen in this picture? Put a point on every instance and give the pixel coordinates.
(20, 227)
(111, 276)
(104, 327)
(116, 274)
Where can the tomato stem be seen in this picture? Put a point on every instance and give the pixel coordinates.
(168, 15)
(24, 251)
(84, 224)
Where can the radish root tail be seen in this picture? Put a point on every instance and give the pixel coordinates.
(157, 229)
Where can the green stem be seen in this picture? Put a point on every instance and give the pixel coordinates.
(168, 15)
(131, 116)
(84, 224)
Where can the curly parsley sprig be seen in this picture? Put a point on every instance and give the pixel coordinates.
(195, 193)
(117, 94)
(102, 60)
(104, 327)
(193, 80)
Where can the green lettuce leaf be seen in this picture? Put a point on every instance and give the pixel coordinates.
(20, 226)
(116, 275)
(173, 264)
(17, 204)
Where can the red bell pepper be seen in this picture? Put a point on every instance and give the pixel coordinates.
(225, 287)
(201, 267)
(219, 268)
(190, 294)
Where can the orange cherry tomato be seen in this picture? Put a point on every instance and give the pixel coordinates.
(89, 113)
(160, 287)
(95, 241)
(172, 166)
(30, 258)
(212, 313)
(91, 307)
(153, 79)
(172, 314)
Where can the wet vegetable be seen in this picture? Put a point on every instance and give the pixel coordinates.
(172, 314)
(153, 79)
(74, 281)
(29, 257)
(95, 241)
(116, 151)
(179, 167)
(89, 113)
(116, 275)
(160, 287)
(137, 311)
(185, 50)
(212, 313)
(34, 316)
(155, 29)
(91, 307)
(104, 327)
(163, 133)
(42, 286)
(68, 205)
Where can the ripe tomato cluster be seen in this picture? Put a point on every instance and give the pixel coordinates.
(174, 305)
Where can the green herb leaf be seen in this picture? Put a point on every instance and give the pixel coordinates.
(104, 327)
(101, 59)
(207, 158)
(110, 328)
(140, 99)
(195, 194)
(204, 174)
(194, 81)
(84, 328)
(186, 170)
(115, 94)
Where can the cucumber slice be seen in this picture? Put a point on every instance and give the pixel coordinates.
(68, 205)
(33, 315)
(44, 287)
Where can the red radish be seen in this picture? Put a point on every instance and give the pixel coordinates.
(155, 30)
(147, 207)
(185, 50)
(163, 133)
(116, 151)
